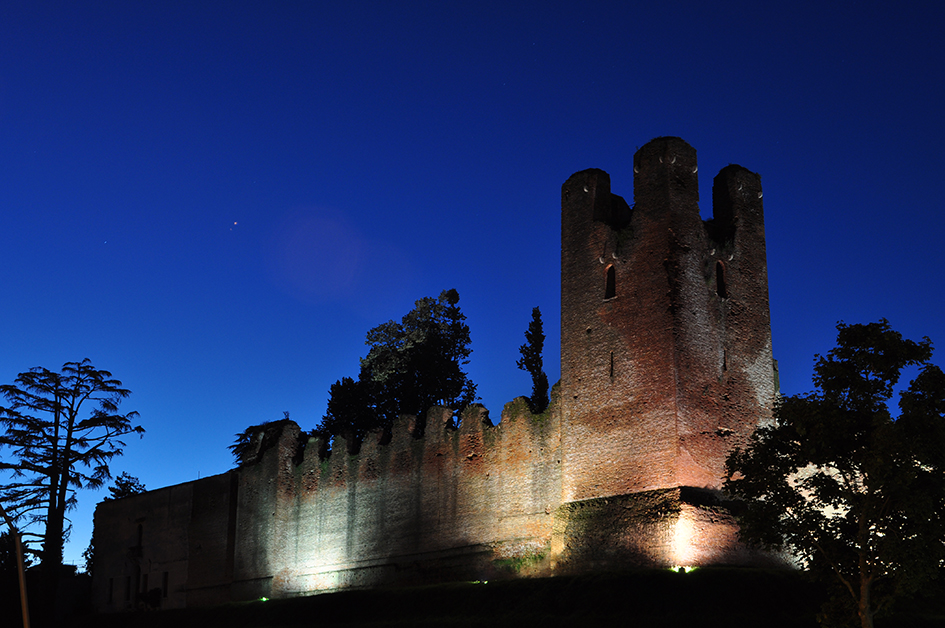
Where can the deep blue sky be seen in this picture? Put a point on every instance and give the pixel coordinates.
(216, 200)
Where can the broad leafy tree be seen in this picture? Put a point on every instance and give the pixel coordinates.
(418, 363)
(531, 362)
(410, 367)
(857, 495)
(60, 431)
(349, 411)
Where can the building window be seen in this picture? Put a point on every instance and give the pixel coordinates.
(610, 286)
(720, 287)
(164, 585)
(127, 588)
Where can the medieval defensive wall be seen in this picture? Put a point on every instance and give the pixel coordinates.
(666, 365)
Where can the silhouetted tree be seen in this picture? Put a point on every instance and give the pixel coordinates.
(855, 494)
(9, 577)
(349, 410)
(61, 431)
(125, 485)
(531, 361)
(410, 367)
(252, 441)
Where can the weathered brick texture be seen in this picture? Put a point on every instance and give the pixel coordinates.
(665, 336)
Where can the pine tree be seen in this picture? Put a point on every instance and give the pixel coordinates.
(61, 431)
(531, 361)
(125, 486)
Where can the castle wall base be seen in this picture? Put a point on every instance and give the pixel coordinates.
(660, 528)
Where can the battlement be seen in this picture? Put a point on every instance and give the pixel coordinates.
(666, 347)
(664, 170)
(477, 447)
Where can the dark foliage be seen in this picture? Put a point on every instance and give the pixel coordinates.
(9, 580)
(857, 495)
(349, 412)
(124, 486)
(255, 439)
(411, 366)
(531, 362)
(60, 432)
(9, 586)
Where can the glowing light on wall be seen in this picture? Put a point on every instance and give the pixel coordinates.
(683, 569)
(683, 550)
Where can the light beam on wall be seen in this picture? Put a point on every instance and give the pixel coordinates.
(683, 550)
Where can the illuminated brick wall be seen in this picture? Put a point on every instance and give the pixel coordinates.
(452, 504)
(666, 357)
(472, 503)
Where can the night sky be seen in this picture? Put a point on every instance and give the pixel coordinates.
(216, 200)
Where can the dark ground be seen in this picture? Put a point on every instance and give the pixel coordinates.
(707, 598)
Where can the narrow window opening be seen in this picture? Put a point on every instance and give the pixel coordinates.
(144, 583)
(127, 588)
(720, 287)
(164, 585)
(140, 534)
(610, 287)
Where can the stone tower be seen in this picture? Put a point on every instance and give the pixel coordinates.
(666, 359)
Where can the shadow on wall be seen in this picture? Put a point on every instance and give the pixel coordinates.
(467, 503)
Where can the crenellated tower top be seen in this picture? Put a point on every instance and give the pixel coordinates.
(666, 345)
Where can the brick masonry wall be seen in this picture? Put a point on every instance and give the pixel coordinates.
(124, 552)
(666, 343)
(453, 504)
(472, 503)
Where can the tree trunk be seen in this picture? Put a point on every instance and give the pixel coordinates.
(863, 604)
(52, 560)
(52, 543)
